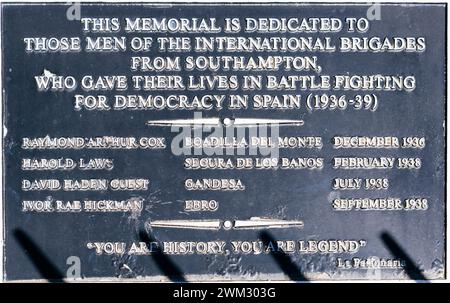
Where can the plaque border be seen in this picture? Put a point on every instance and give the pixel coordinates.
(163, 278)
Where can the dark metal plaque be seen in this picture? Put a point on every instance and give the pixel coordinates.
(212, 142)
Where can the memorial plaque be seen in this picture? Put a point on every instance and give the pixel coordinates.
(223, 142)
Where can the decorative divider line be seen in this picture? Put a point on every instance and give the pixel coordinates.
(246, 122)
(216, 224)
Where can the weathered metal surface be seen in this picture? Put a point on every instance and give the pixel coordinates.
(301, 207)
